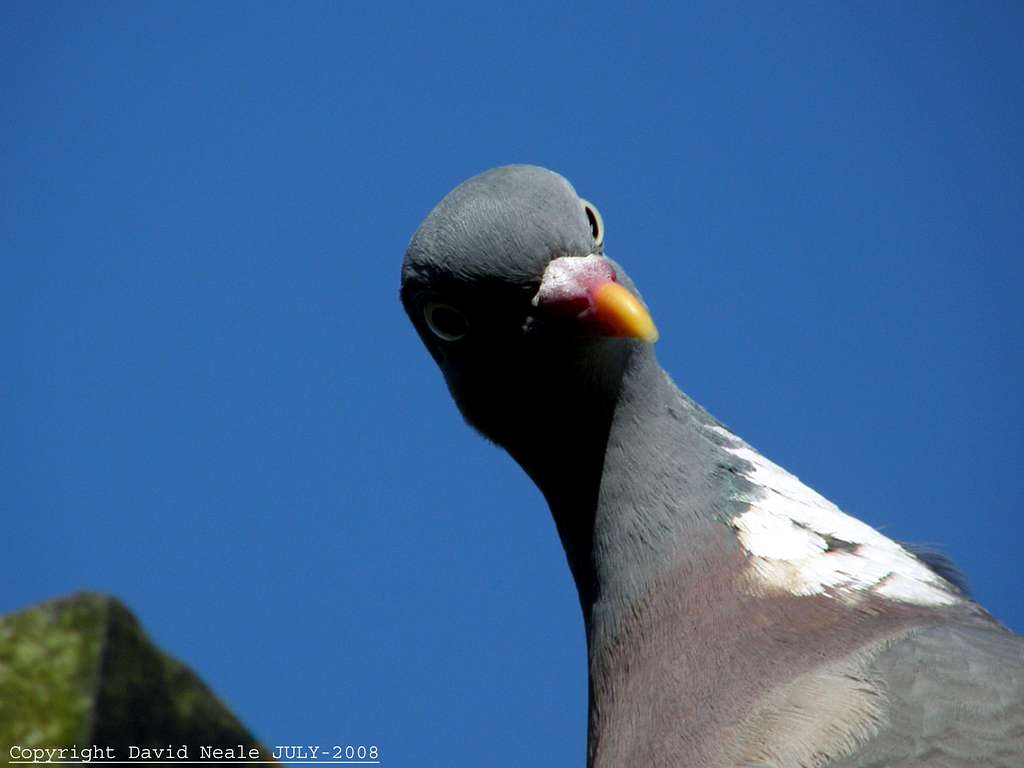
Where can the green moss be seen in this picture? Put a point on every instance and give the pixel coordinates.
(83, 671)
(48, 671)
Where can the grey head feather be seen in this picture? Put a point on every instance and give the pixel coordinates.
(506, 223)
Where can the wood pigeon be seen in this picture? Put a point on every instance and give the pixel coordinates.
(734, 617)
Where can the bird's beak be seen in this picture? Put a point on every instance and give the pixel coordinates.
(588, 290)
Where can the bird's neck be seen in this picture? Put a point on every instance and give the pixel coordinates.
(663, 496)
(638, 501)
(566, 459)
(625, 447)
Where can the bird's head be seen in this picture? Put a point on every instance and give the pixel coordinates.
(507, 283)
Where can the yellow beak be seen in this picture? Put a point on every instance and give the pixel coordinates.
(621, 313)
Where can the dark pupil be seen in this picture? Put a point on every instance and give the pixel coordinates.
(595, 230)
(448, 321)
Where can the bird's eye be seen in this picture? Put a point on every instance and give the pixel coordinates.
(445, 321)
(596, 224)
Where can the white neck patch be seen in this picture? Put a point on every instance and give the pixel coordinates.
(801, 543)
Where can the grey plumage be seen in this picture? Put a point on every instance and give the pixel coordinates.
(954, 693)
(733, 616)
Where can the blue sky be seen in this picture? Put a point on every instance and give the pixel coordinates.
(215, 409)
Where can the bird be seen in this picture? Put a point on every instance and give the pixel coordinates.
(733, 615)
